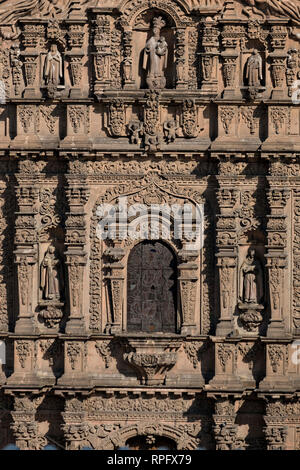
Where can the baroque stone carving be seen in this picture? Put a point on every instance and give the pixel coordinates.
(53, 69)
(51, 275)
(157, 50)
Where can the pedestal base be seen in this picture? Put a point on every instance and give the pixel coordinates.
(25, 326)
(224, 328)
(277, 383)
(75, 326)
(275, 329)
(225, 382)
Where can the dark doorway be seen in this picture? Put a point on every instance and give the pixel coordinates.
(151, 288)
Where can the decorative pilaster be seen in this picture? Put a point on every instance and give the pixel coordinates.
(278, 37)
(180, 53)
(225, 429)
(24, 426)
(276, 254)
(75, 54)
(75, 427)
(230, 40)
(76, 258)
(188, 277)
(209, 58)
(25, 252)
(115, 282)
(275, 430)
(102, 50)
(226, 258)
(128, 82)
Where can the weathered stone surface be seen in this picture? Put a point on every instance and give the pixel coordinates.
(164, 103)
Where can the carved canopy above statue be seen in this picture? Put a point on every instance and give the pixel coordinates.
(12, 10)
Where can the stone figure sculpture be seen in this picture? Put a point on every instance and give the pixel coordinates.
(53, 71)
(251, 280)
(156, 51)
(254, 69)
(51, 278)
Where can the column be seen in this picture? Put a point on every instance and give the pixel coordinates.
(76, 257)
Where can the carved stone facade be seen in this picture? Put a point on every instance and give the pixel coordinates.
(125, 342)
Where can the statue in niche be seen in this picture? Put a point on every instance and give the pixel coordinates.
(53, 71)
(251, 280)
(254, 73)
(51, 276)
(156, 56)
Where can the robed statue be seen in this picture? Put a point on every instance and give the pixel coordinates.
(51, 275)
(254, 72)
(156, 56)
(251, 280)
(53, 70)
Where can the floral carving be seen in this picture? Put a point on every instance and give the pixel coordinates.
(226, 115)
(73, 352)
(26, 115)
(23, 349)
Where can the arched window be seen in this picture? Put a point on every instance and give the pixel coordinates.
(151, 288)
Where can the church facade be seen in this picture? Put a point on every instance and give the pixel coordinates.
(155, 336)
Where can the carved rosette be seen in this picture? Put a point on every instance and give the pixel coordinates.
(292, 66)
(75, 427)
(209, 58)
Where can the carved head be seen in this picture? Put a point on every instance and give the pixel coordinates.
(53, 49)
(51, 249)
